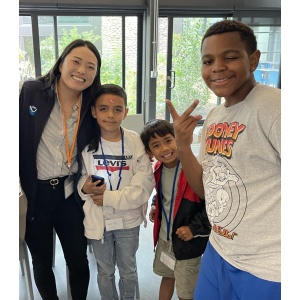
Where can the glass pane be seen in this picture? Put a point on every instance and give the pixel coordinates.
(162, 47)
(269, 44)
(186, 66)
(186, 62)
(47, 43)
(131, 25)
(111, 49)
(26, 58)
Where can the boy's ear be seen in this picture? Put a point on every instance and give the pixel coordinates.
(254, 60)
(93, 111)
(126, 112)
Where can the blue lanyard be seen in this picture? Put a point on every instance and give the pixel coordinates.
(172, 200)
(105, 162)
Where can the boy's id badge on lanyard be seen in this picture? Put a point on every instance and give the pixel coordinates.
(166, 259)
(69, 187)
(114, 224)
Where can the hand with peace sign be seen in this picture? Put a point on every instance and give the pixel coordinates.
(184, 124)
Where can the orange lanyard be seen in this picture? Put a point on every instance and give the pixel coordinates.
(68, 150)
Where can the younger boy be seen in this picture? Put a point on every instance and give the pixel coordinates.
(115, 210)
(181, 227)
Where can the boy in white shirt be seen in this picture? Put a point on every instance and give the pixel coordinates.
(115, 210)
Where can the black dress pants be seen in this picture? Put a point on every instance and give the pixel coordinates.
(52, 210)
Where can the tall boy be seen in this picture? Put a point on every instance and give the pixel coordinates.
(181, 227)
(239, 166)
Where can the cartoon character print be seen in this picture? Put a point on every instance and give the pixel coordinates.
(225, 195)
(215, 194)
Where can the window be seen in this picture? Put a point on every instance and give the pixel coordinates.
(117, 46)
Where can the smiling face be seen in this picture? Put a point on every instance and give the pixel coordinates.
(164, 149)
(227, 68)
(78, 69)
(109, 111)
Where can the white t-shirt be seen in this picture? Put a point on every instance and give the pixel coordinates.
(241, 158)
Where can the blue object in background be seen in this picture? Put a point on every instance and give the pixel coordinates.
(259, 76)
(267, 76)
(273, 78)
(267, 73)
(268, 65)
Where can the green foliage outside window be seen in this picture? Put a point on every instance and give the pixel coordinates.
(186, 62)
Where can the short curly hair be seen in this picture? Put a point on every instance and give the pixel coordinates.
(246, 33)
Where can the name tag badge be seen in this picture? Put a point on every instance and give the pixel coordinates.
(167, 260)
(69, 187)
(114, 224)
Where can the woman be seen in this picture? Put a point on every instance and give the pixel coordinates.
(55, 125)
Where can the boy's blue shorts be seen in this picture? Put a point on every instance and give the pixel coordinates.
(219, 280)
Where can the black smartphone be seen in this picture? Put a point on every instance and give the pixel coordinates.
(96, 178)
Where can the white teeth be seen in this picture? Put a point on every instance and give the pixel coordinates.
(168, 155)
(78, 78)
(220, 80)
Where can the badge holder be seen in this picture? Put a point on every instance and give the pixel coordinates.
(69, 187)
